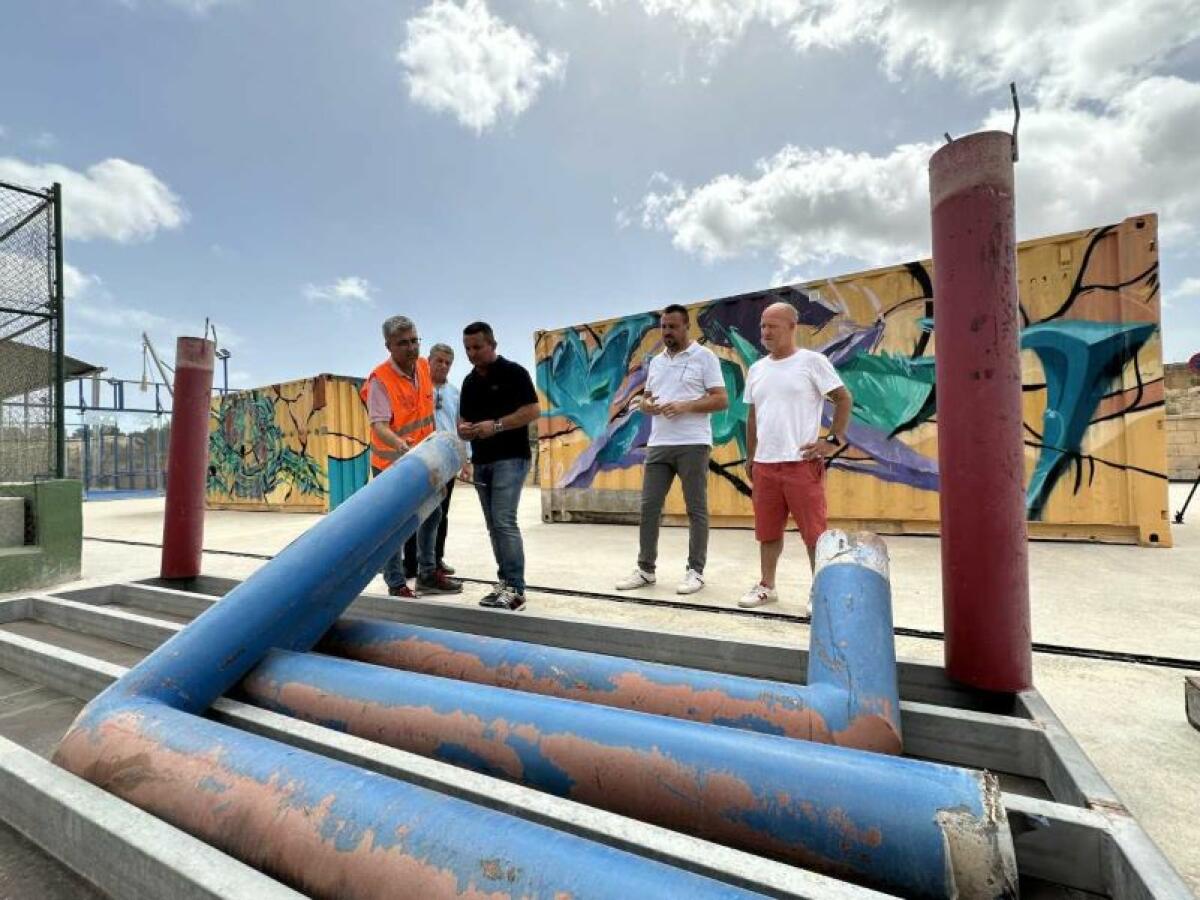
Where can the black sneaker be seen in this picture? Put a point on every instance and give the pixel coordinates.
(439, 583)
(511, 600)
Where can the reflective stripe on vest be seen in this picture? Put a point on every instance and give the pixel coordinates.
(413, 426)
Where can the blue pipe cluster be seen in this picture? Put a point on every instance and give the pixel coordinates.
(851, 633)
(326, 827)
(333, 830)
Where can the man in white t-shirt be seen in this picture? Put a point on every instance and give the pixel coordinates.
(683, 388)
(786, 391)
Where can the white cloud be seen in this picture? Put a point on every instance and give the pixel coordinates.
(1068, 49)
(463, 60)
(801, 205)
(1188, 289)
(1079, 167)
(77, 284)
(344, 291)
(722, 21)
(115, 199)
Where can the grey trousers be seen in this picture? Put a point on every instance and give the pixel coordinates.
(690, 463)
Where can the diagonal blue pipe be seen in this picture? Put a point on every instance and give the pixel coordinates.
(335, 830)
(328, 828)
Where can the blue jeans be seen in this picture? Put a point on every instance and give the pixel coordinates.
(427, 532)
(499, 487)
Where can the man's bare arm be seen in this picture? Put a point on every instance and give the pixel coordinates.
(714, 400)
(843, 403)
(517, 419)
(384, 432)
(751, 440)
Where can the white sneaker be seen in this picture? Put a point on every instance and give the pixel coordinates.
(692, 582)
(636, 580)
(759, 595)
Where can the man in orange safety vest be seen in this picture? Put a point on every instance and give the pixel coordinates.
(400, 407)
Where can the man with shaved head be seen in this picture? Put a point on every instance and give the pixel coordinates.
(786, 392)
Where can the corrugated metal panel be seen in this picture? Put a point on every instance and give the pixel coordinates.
(347, 443)
(1092, 357)
(273, 448)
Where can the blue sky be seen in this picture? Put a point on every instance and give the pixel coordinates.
(298, 171)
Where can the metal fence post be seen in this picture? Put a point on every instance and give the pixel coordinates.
(60, 402)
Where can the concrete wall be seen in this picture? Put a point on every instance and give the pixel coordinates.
(55, 540)
(1183, 421)
(1183, 447)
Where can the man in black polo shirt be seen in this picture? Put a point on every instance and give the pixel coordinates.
(497, 404)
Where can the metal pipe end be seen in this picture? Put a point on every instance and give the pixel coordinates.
(443, 455)
(194, 353)
(859, 548)
(982, 158)
(981, 861)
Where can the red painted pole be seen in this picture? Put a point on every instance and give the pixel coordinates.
(981, 452)
(187, 458)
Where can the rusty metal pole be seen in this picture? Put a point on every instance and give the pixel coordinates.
(981, 452)
(187, 459)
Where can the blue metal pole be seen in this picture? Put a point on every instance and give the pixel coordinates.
(852, 651)
(332, 829)
(295, 597)
(885, 822)
(851, 599)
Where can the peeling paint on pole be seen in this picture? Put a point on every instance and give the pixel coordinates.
(981, 438)
(852, 598)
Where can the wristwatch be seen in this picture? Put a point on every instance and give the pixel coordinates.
(832, 438)
(497, 426)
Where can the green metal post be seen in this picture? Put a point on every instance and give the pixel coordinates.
(60, 400)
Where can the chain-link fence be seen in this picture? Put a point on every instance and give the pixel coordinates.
(31, 353)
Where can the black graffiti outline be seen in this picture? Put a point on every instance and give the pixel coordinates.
(1079, 288)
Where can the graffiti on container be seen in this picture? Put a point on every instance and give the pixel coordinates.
(250, 455)
(1085, 334)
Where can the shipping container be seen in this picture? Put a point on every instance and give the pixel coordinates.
(1095, 450)
(300, 446)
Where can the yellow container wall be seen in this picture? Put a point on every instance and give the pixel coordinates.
(1093, 394)
(347, 439)
(297, 446)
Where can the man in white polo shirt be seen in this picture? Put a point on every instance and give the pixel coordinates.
(683, 388)
(786, 392)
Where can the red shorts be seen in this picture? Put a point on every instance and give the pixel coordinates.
(789, 487)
